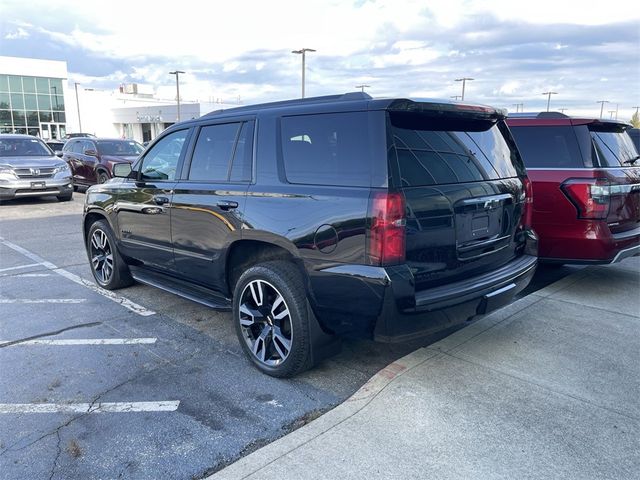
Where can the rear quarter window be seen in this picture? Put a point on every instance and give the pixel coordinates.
(613, 148)
(548, 146)
(326, 149)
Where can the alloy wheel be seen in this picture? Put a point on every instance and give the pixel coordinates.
(101, 256)
(265, 321)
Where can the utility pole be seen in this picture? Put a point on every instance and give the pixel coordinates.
(611, 112)
(562, 110)
(302, 52)
(177, 74)
(602, 102)
(617, 105)
(464, 82)
(78, 106)
(456, 97)
(362, 87)
(548, 94)
(519, 107)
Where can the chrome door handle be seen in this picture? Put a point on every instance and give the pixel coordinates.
(227, 205)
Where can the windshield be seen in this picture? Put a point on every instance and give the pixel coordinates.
(614, 149)
(119, 147)
(23, 147)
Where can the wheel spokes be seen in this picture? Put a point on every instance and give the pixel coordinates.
(258, 297)
(281, 343)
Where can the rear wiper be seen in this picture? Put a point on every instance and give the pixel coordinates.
(632, 160)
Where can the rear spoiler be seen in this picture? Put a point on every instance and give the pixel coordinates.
(449, 109)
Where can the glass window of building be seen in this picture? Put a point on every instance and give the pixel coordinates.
(33, 105)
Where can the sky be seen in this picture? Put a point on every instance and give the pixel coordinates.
(240, 51)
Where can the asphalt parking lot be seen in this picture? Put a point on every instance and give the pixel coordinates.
(140, 383)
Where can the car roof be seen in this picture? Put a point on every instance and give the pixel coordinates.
(18, 135)
(354, 101)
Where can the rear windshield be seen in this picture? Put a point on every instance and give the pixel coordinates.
(23, 147)
(119, 147)
(430, 152)
(613, 146)
(548, 147)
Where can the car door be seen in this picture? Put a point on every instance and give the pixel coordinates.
(70, 155)
(208, 203)
(89, 160)
(144, 211)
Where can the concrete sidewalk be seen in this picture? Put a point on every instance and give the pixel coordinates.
(548, 387)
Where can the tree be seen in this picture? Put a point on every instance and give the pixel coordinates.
(635, 120)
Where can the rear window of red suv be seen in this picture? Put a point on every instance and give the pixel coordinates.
(550, 146)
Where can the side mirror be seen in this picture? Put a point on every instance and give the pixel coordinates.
(59, 153)
(121, 170)
(91, 152)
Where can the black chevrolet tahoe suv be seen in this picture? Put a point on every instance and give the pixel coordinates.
(324, 217)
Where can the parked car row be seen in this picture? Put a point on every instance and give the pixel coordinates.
(345, 215)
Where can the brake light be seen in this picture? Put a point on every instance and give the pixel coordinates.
(591, 196)
(527, 209)
(387, 234)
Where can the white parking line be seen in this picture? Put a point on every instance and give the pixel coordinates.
(42, 300)
(125, 302)
(19, 267)
(85, 341)
(106, 407)
(32, 275)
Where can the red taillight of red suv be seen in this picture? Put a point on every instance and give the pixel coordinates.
(591, 196)
(387, 234)
(527, 209)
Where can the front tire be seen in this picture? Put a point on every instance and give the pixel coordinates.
(271, 318)
(65, 198)
(107, 266)
(103, 177)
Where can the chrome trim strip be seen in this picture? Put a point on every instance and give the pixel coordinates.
(627, 252)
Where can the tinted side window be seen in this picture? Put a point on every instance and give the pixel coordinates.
(243, 156)
(68, 147)
(548, 147)
(211, 157)
(327, 149)
(161, 162)
(614, 148)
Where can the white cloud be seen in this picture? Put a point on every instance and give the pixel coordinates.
(18, 33)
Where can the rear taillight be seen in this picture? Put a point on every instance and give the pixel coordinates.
(591, 196)
(387, 233)
(527, 208)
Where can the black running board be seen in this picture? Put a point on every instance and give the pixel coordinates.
(181, 288)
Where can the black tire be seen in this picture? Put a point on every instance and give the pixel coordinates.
(65, 198)
(75, 188)
(263, 332)
(102, 176)
(102, 249)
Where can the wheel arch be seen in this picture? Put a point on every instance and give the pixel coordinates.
(92, 217)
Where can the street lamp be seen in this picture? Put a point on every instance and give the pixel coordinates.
(602, 102)
(464, 82)
(548, 94)
(455, 97)
(362, 87)
(78, 106)
(177, 74)
(302, 52)
(519, 107)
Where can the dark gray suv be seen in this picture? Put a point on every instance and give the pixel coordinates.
(324, 217)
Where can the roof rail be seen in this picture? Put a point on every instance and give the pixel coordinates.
(552, 115)
(344, 97)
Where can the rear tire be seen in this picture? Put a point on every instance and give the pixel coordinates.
(271, 318)
(107, 266)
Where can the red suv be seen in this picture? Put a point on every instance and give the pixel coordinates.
(585, 176)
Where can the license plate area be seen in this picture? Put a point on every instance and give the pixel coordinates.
(38, 185)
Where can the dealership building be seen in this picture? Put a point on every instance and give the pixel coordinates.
(38, 98)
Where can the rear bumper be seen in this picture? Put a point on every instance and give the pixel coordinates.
(35, 187)
(596, 247)
(381, 303)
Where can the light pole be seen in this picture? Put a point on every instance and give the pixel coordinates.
(562, 110)
(455, 97)
(602, 102)
(464, 82)
(362, 87)
(519, 107)
(611, 112)
(177, 74)
(548, 94)
(302, 52)
(78, 106)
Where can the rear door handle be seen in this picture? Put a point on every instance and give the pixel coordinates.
(160, 200)
(227, 204)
